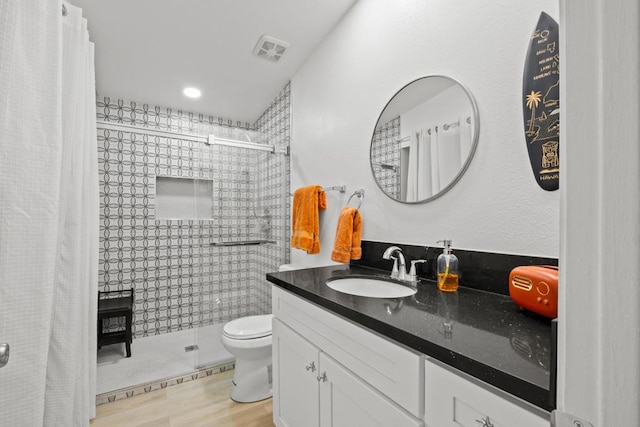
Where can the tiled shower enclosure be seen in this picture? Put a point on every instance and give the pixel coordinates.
(385, 157)
(181, 280)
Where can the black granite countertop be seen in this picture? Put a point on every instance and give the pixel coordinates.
(481, 333)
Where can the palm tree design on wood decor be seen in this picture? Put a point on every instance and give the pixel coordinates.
(533, 99)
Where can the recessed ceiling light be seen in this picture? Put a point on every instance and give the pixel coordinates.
(192, 92)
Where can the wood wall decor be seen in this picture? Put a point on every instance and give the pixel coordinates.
(541, 103)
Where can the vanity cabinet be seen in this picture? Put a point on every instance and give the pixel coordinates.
(312, 389)
(329, 372)
(452, 400)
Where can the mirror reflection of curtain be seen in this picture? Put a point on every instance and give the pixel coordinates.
(465, 139)
(425, 189)
(435, 166)
(448, 154)
(412, 170)
(434, 158)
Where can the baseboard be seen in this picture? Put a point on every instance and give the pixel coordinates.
(123, 393)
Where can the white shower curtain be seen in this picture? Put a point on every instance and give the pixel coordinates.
(48, 215)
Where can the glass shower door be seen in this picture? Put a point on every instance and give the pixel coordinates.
(248, 239)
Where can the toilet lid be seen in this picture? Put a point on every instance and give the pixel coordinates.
(249, 327)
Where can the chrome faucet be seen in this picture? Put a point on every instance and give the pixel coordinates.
(399, 270)
(413, 274)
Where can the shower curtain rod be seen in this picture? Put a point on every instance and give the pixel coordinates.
(210, 139)
(446, 126)
(454, 124)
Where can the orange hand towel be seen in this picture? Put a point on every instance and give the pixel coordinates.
(348, 236)
(305, 219)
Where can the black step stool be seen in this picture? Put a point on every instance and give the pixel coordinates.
(114, 304)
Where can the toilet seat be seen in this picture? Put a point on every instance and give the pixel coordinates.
(248, 328)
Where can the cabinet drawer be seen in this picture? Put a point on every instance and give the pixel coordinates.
(454, 400)
(393, 370)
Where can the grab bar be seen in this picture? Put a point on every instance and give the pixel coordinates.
(243, 243)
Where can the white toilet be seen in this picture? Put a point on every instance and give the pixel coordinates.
(249, 340)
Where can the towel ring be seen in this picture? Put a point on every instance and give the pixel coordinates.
(360, 194)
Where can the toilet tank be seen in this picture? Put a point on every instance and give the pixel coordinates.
(291, 267)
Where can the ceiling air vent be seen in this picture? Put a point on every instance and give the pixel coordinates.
(270, 48)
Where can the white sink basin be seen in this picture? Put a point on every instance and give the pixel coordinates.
(373, 287)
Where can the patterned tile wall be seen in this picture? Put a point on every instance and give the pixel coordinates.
(386, 150)
(161, 118)
(274, 126)
(180, 281)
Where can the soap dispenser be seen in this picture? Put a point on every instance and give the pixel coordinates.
(447, 267)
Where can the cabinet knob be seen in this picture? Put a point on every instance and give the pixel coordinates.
(311, 367)
(4, 354)
(323, 377)
(485, 422)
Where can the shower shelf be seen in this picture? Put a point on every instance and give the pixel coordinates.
(243, 243)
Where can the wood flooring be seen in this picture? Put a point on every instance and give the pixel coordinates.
(202, 402)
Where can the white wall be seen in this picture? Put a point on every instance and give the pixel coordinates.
(599, 319)
(375, 50)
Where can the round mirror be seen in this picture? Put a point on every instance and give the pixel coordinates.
(424, 139)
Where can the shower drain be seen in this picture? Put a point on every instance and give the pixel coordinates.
(191, 348)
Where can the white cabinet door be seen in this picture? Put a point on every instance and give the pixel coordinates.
(454, 401)
(347, 401)
(393, 370)
(295, 384)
